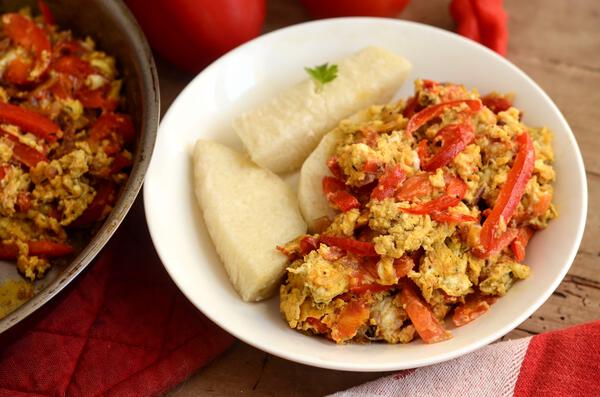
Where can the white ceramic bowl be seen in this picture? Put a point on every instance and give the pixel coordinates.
(259, 69)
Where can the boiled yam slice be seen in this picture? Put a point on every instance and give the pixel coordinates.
(248, 211)
(280, 134)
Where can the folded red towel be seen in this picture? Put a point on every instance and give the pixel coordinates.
(121, 329)
(560, 363)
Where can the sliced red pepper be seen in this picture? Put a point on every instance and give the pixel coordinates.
(113, 125)
(411, 107)
(95, 99)
(308, 244)
(29, 121)
(473, 308)
(388, 183)
(456, 189)
(496, 103)
(23, 153)
(43, 248)
(24, 203)
(361, 248)
(447, 217)
(498, 244)
(336, 194)
(425, 323)
(415, 186)
(511, 192)
(45, 11)
(431, 112)
(17, 71)
(520, 242)
(455, 138)
(105, 197)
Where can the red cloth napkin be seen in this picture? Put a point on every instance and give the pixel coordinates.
(121, 329)
(560, 363)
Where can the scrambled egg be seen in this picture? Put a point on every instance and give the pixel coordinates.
(346, 283)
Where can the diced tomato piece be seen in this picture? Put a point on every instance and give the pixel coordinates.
(414, 187)
(43, 248)
(24, 203)
(455, 138)
(431, 112)
(95, 99)
(361, 248)
(73, 66)
(3, 170)
(120, 162)
(113, 126)
(24, 32)
(473, 308)
(388, 183)
(17, 71)
(351, 317)
(371, 166)
(456, 189)
(403, 265)
(29, 121)
(520, 242)
(511, 192)
(497, 103)
(317, 325)
(421, 316)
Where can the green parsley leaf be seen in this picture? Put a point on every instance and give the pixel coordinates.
(322, 74)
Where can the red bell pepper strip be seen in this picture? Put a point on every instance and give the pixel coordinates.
(113, 123)
(455, 138)
(511, 192)
(43, 248)
(29, 121)
(334, 167)
(308, 244)
(411, 107)
(520, 242)
(45, 11)
(120, 162)
(496, 103)
(455, 191)
(388, 183)
(23, 153)
(499, 244)
(472, 309)
(433, 111)
(73, 66)
(17, 71)
(370, 288)
(361, 248)
(317, 325)
(427, 326)
(336, 194)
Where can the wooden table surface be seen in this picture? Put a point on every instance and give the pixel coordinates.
(558, 44)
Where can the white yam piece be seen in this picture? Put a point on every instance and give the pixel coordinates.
(248, 211)
(280, 134)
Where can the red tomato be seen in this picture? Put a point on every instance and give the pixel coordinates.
(192, 33)
(346, 8)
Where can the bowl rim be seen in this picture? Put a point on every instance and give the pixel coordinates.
(374, 367)
(150, 92)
